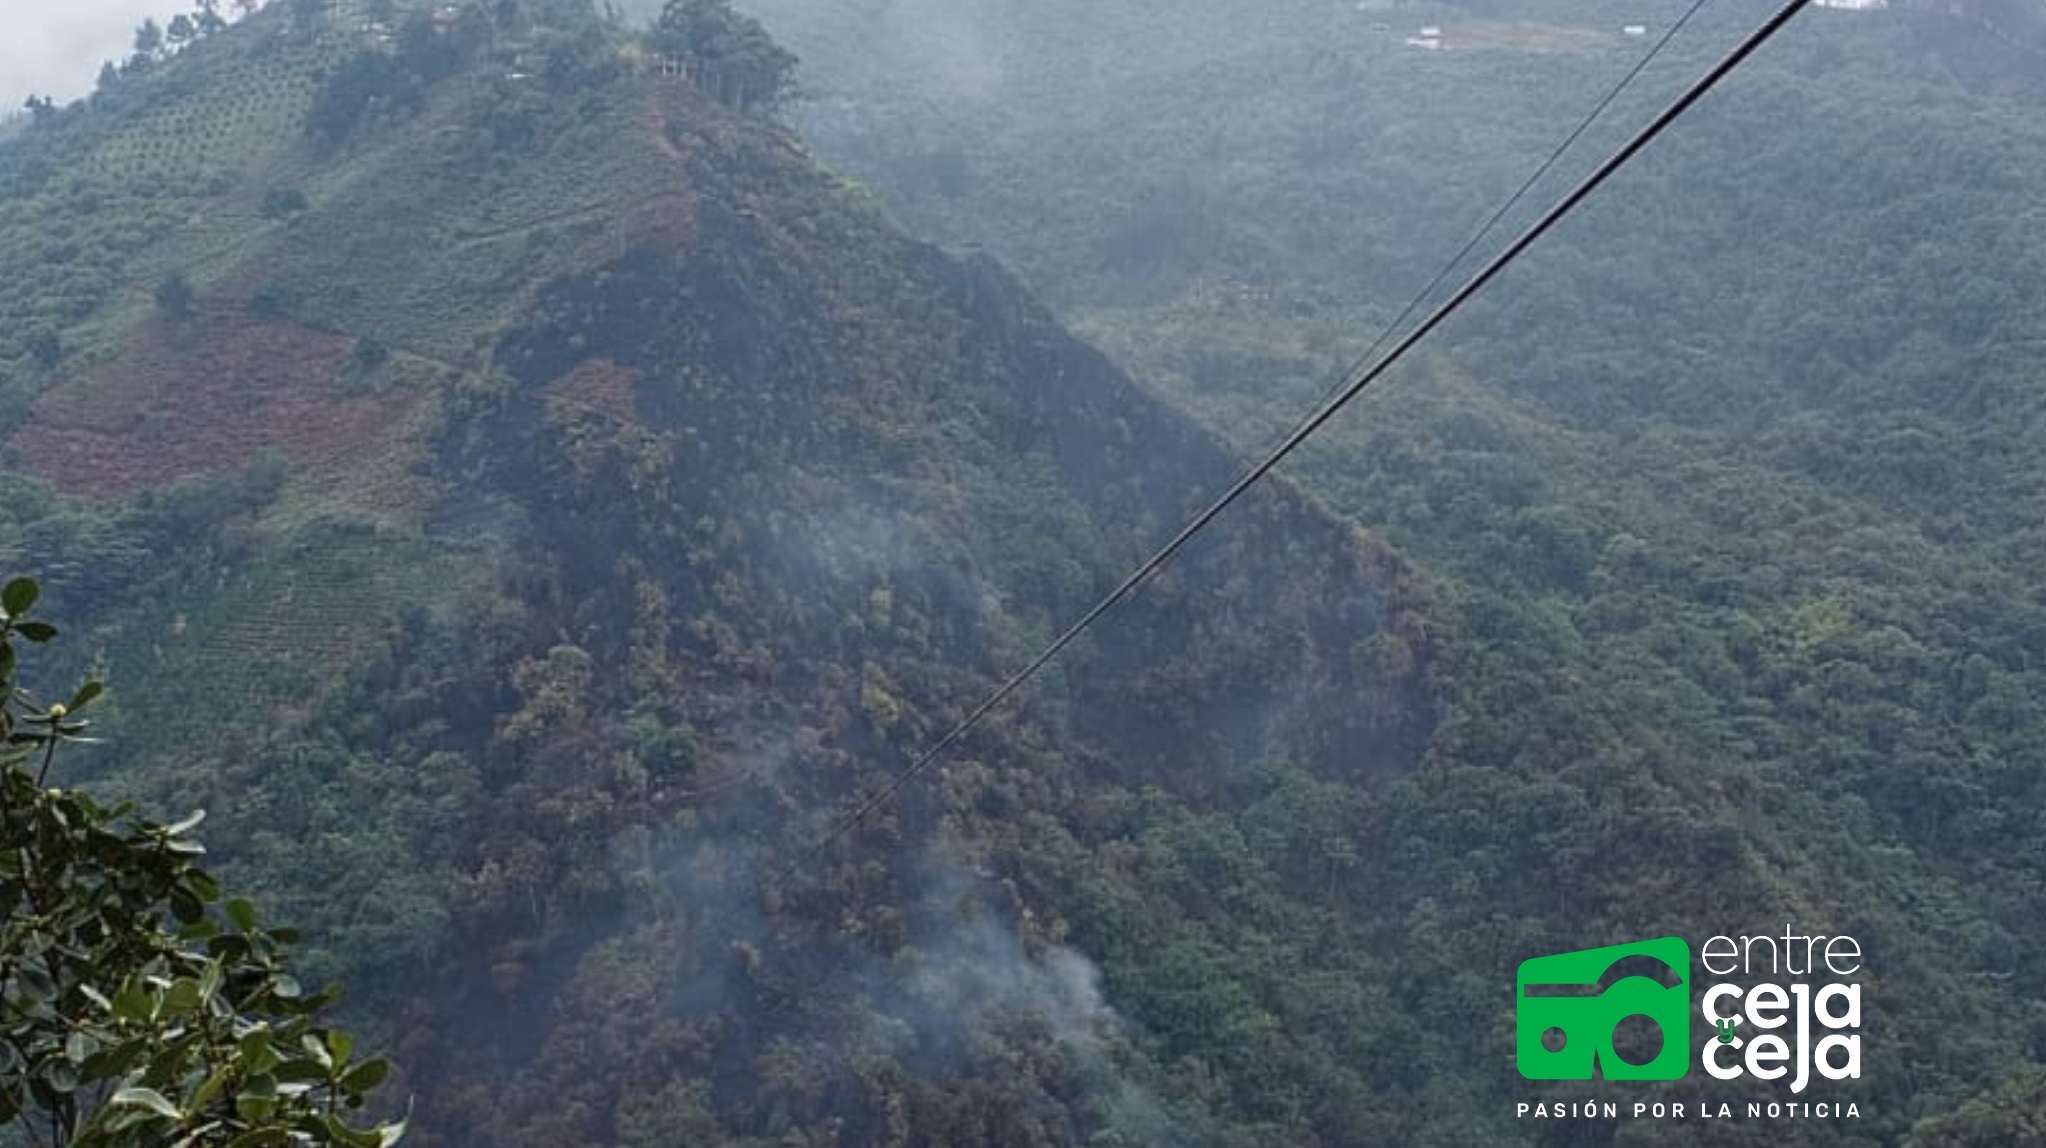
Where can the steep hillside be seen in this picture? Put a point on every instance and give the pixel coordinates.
(1734, 483)
(528, 502)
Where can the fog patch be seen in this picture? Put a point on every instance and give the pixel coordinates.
(952, 44)
(859, 547)
(976, 978)
(855, 542)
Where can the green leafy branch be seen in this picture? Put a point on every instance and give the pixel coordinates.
(138, 1008)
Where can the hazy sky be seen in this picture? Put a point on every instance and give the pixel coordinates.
(54, 47)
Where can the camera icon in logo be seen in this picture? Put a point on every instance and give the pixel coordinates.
(1569, 1008)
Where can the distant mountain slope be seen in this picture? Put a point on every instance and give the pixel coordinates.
(528, 502)
(1733, 485)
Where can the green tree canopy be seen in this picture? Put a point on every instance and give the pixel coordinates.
(174, 294)
(138, 1008)
(728, 52)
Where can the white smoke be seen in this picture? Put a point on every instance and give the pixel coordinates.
(970, 974)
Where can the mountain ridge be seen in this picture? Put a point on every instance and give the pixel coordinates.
(531, 515)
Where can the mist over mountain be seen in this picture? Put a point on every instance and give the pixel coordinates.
(1759, 380)
(581, 499)
(532, 502)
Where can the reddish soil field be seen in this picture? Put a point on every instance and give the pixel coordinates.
(601, 385)
(201, 397)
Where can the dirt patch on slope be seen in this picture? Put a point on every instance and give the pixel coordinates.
(603, 386)
(204, 396)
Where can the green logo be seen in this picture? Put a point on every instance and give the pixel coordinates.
(1568, 1007)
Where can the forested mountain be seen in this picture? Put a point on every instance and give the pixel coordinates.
(1733, 486)
(530, 501)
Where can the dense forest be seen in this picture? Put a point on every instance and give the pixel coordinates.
(529, 500)
(577, 499)
(1732, 486)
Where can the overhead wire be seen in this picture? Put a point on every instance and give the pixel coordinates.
(1348, 391)
(1505, 208)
